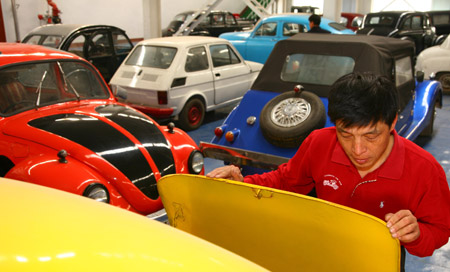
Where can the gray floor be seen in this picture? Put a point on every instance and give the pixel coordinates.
(438, 145)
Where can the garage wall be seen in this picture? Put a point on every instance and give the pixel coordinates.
(127, 15)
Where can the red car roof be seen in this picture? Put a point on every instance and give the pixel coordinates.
(19, 52)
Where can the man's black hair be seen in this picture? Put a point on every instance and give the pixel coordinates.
(315, 19)
(362, 99)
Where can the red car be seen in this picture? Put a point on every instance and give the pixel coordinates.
(61, 127)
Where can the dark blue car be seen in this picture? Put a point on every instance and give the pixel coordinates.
(289, 98)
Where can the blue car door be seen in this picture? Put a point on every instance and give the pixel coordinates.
(262, 41)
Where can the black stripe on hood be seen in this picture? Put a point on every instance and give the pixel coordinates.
(105, 141)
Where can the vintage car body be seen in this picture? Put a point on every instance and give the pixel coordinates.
(104, 46)
(351, 21)
(61, 127)
(271, 121)
(411, 25)
(279, 230)
(257, 44)
(49, 230)
(214, 24)
(183, 77)
(435, 63)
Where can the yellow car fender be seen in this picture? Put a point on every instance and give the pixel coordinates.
(44, 229)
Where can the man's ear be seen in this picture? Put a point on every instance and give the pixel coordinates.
(394, 123)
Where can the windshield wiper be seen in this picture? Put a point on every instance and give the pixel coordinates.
(70, 84)
(39, 90)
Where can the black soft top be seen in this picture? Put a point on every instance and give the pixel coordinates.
(371, 54)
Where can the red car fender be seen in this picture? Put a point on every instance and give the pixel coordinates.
(184, 146)
(71, 176)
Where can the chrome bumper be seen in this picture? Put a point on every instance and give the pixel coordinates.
(242, 157)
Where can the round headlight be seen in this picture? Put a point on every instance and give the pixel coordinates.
(196, 162)
(98, 192)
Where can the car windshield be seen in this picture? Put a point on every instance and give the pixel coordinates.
(45, 40)
(380, 20)
(152, 56)
(27, 86)
(316, 69)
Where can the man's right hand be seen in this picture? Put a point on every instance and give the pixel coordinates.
(226, 172)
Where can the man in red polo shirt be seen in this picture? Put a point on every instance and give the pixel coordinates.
(364, 164)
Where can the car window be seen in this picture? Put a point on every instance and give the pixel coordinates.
(217, 19)
(403, 71)
(316, 69)
(290, 29)
(26, 86)
(412, 23)
(121, 43)
(382, 20)
(196, 59)
(222, 55)
(441, 19)
(152, 56)
(76, 46)
(229, 19)
(45, 40)
(99, 45)
(267, 29)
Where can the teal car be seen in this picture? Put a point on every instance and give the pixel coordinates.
(257, 44)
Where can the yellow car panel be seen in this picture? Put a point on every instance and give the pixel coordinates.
(278, 230)
(44, 229)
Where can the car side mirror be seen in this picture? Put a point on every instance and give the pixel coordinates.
(420, 75)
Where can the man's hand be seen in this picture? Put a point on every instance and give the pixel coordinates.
(227, 172)
(403, 226)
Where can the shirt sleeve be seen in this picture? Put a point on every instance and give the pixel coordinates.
(433, 215)
(292, 176)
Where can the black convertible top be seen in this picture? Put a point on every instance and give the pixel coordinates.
(370, 53)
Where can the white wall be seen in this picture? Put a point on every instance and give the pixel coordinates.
(127, 15)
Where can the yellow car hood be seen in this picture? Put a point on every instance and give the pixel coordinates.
(278, 230)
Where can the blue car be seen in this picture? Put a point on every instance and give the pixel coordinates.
(256, 45)
(288, 100)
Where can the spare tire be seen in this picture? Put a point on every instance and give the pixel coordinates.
(287, 119)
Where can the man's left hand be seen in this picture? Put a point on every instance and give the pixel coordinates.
(403, 226)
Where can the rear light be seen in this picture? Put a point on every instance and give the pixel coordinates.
(218, 131)
(162, 98)
(231, 136)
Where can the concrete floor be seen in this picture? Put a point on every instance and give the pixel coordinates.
(438, 145)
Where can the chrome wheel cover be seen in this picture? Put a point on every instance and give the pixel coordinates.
(290, 112)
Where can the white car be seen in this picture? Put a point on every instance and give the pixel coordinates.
(183, 77)
(436, 60)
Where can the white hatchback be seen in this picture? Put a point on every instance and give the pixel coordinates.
(183, 77)
(435, 61)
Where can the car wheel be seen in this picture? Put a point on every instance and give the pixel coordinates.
(444, 78)
(192, 115)
(289, 118)
(428, 131)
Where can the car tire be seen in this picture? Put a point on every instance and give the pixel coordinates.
(287, 119)
(192, 115)
(444, 78)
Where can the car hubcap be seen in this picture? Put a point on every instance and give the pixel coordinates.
(194, 115)
(290, 112)
(445, 81)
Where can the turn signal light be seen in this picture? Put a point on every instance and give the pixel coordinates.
(162, 98)
(230, 136)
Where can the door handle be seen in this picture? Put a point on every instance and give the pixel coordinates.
(217, 74)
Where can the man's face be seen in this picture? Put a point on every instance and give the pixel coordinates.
(367, 147)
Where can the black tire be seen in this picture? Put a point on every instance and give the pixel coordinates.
(192, 115)
(444, 78)
(289, 129)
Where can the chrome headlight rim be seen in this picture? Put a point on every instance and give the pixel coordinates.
(196, 162)
(97, 192)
